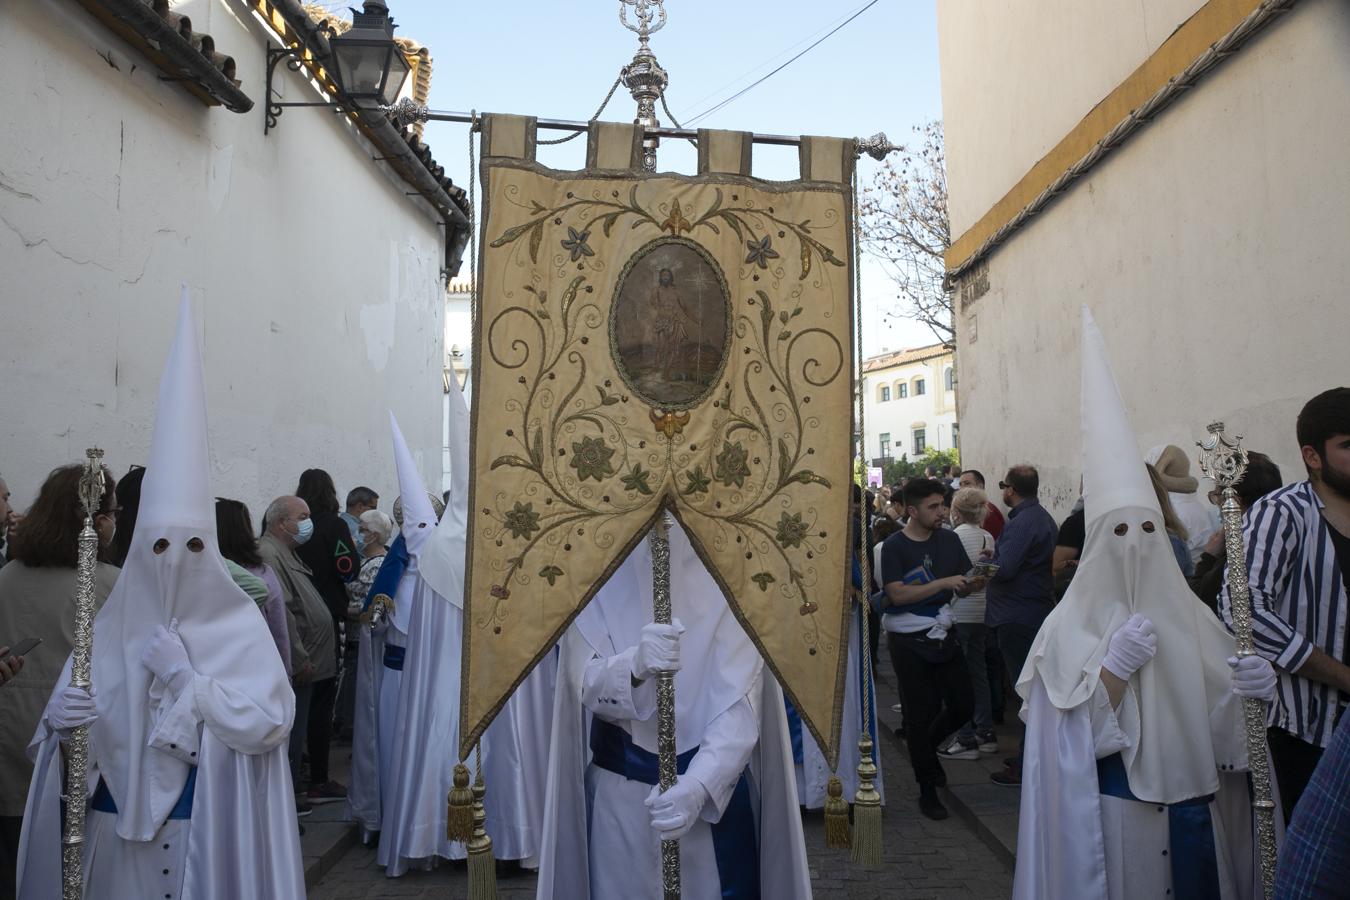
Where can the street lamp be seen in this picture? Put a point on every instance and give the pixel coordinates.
(368, 68)
(367, 64)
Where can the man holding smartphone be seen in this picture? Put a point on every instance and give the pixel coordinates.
(923, 568)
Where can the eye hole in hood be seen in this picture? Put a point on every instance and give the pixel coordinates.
(1148, 527)
(1121, 529)
(195, 545)
(161, 545)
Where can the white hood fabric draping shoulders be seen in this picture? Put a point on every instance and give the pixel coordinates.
(233, 717)
(1128, 567)
(719, 667)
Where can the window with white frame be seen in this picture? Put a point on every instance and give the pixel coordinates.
(949, 378)
(920, 441)
(919, 387)
(885, 393)
(902, 390)
(886, 445)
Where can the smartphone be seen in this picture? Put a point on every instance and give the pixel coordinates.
(24, 647)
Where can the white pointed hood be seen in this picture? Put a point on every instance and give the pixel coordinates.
(1113, 477)
(174, 570)
(419, 517)
(442, 560)
(1128, 567)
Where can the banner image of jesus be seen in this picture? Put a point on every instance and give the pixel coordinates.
(669, 324)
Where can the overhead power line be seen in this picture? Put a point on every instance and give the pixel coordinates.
(761, 80)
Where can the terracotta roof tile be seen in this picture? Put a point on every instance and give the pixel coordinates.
(903, 357)
(166, 38)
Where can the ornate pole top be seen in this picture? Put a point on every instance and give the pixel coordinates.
(645, 11)
(91, 482)
(878, 146)
(1223, 458)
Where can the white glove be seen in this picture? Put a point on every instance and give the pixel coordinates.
(71, 708)
(658, 650)
(676, 811)
(167, 658)
(1133, 644)
(1253, 676)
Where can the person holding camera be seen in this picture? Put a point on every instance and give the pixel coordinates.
(923, 568)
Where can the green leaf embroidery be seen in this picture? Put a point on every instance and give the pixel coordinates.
(552, 573)
(637, 480)
(698, 482)
(510, 460)
(763, 579)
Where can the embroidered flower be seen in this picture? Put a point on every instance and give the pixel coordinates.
(763, 579)
(522, 521)
(698, 482)
(761, 252)
(791, 530)
(500, 592)
(575, 243)
(732, 464)
(636, 480)
(591, 459)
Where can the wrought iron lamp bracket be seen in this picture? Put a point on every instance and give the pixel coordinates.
(294, 62)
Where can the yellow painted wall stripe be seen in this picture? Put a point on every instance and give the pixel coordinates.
(1210, 23)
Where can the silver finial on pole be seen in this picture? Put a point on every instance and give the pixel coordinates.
(644, 77)
(1225, 461)
(667, 762)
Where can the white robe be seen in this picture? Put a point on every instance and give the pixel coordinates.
(363, 794)
(813, 773)
(419, 729)
(241, 843)
(598, 839)
(1075, 843)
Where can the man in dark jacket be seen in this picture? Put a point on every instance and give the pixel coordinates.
(1021, 591)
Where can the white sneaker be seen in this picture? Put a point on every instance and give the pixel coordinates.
(957, 750)
(988, 742)
(897, 707)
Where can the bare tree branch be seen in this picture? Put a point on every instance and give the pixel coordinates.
(903, 225)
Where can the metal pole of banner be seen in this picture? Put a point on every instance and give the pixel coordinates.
(665, 701)
(77, 748)
(1225, 461)
(406, 112)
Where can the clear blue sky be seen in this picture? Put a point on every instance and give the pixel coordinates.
(557, 59)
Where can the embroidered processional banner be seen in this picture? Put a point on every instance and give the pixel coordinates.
(650, 342)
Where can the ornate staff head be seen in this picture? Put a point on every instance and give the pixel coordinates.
(1223, 458)
(645, 11)
(91, 482)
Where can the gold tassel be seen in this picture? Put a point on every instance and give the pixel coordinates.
(837, 832)
(459, 818)
(866, 808)
(482, 866)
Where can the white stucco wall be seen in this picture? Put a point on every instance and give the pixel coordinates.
(934, 411)
(315, 279)
(1211, 249)
(1017, 77)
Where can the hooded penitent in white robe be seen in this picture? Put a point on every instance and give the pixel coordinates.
(598, 839)
(813, 771)
(419, 706)
(1149, 799)
(224, 729)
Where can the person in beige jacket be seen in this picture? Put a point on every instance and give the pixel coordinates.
(313, 645)
(37, 599)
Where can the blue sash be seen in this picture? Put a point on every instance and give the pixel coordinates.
(1190, 834)
(735, 838)
(393, 657)
(103, 800)
(391, 572)
(794, 730)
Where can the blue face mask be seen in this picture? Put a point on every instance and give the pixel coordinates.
(304, 531)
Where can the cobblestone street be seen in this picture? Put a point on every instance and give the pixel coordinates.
(923, 860)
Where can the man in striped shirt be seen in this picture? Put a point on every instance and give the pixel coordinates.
(1298, 545)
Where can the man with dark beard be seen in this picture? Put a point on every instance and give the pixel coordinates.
(1298, 549)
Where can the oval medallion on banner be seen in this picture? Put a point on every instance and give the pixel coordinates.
(669, 324)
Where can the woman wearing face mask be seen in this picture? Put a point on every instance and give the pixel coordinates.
(37, 599)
